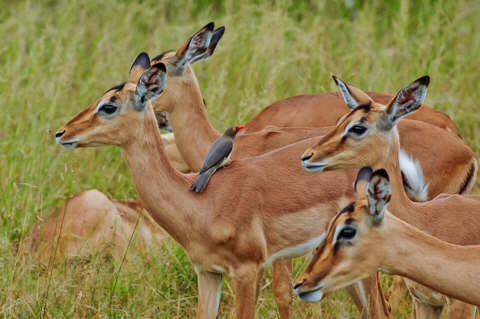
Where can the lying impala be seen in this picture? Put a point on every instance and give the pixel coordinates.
(194, 133)
(89, 223)
(364, 238)
(368, 136)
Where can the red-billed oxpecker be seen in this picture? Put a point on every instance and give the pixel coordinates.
(218, 156)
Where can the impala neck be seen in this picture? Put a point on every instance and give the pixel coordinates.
(400, 204)
(193, 132)
(162, 190)
(450, 269)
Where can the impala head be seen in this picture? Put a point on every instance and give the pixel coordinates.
(363, 135)
(348, 253)
(181, 79)
(115, 118)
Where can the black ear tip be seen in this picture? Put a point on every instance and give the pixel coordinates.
(336, 79)
(210, 26)
(363, 175)
(424, 80)
(161, 67)
(143, 60)
(365, 172)
(220, 30)
(381, 173)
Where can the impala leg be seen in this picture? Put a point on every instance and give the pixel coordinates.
(209, 291)
(282, 286)
(354, 293)
(246, 284)
(423, 310)
(458, 309)
(426, 303)
(397, 293)
(372, 300)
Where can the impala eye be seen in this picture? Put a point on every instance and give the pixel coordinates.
(108, 109)
(357, 129)
(347, 233)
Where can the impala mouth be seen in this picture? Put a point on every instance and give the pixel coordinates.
(314, 295)
(70, 145)
(314, 167)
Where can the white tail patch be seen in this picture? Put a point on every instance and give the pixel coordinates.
(414, 181)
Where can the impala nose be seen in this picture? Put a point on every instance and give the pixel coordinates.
(59, 133)
(298, 285)
(307, 157)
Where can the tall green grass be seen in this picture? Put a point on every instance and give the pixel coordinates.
(57, 57)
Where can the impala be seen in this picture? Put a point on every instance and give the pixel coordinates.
(368, 136)
(242, 222)
(365, 237)
(88, 223)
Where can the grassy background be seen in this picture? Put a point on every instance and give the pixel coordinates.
(57, 57)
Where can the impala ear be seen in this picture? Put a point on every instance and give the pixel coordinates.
(352, 96)
(216, 36)
(140, 65)
(150, 85)
(407, 101)
(196, 48)
(378, 195)
(363, 177)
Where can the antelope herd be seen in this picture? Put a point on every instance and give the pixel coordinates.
(287, 191)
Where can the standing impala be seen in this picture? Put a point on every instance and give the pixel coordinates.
(194, 133)
(365, 237)
(368, 136)
(242, 222)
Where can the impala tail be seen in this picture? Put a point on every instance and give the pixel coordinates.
(413, 179)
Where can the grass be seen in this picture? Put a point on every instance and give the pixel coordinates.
(57, 57)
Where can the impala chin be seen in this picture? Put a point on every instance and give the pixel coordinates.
(314, 295)
(314, 167)
(70, 145)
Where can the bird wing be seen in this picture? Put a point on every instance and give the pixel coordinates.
(219, 150)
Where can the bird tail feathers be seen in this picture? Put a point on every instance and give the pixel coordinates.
(202, 180)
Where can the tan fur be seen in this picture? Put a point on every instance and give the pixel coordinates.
(90, 223)
(379, 149)
(398, 248)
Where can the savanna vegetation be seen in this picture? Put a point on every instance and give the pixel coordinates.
(57, 57)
